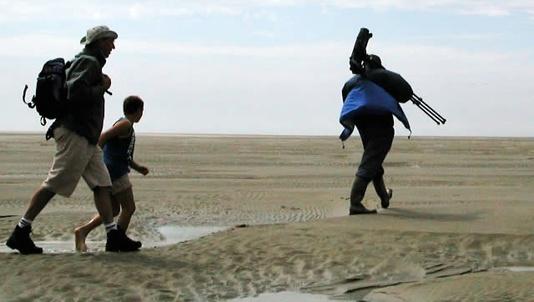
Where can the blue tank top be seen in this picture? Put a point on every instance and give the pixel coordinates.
(118, 154)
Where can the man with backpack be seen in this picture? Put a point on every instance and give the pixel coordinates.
(370, 100)
(76, 132)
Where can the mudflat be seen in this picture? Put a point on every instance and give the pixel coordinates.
(460, 226)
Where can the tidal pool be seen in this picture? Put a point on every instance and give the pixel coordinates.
(284, 297)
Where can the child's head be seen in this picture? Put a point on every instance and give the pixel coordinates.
(133, 106)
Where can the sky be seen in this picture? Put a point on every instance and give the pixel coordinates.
(277, 66)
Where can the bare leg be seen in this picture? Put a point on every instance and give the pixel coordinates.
(39, 200)
(103, 203)
(81, 232)
(127, 202)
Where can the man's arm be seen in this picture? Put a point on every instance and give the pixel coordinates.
(85, 82)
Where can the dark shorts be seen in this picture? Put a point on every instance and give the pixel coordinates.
(376, 145)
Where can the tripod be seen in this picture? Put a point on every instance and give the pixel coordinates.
(433, 114)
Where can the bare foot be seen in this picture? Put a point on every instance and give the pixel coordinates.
(79, 240)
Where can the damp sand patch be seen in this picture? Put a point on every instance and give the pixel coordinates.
(496, 284)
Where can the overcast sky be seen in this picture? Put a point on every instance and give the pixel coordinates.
(277, 67)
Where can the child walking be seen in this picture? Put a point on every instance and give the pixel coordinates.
(118, 145)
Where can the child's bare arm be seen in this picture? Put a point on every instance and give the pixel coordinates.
(119, 129)
(139, 168)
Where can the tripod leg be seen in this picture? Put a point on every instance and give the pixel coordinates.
(427, 113)
(418, 100)
(434, 112)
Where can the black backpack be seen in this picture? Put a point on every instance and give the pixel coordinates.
(392, 82)
(50, 97)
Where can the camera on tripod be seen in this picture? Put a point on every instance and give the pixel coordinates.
(371, 68)
(359, 56)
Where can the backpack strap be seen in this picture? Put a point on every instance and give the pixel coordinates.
(30, 103)
(74, 61)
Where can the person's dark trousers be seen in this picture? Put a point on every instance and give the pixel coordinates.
(377, 139)
(376, 142)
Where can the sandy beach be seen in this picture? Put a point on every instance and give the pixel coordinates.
(460, 226)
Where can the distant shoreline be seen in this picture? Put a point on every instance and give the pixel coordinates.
(230, 135)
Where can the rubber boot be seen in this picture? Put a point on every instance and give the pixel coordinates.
(356, 196)
(383, 193)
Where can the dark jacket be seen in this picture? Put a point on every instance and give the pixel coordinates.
(367, 105)
(85, 94)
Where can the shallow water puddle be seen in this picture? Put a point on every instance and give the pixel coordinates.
(515, 269)
(283, 297)
(57, 247)
(174, 234)
(171, 234)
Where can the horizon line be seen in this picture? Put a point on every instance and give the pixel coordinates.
(192, 134)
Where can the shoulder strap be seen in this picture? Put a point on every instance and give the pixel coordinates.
(74, 61)
(131, 127)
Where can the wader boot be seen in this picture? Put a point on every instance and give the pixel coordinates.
(356, 196)
(384, 193)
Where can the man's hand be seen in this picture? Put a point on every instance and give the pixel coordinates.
(106, 81)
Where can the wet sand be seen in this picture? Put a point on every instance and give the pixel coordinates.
(462, 213)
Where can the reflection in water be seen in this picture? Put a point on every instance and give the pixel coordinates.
(174, 234)
(515, 269)
(283, 297)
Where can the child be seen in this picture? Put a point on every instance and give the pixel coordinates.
(118, 145)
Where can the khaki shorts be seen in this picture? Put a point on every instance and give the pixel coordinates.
(120, 184)
(75, 158)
